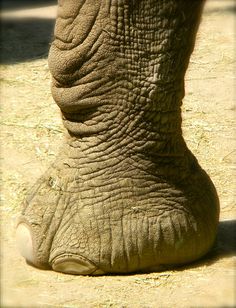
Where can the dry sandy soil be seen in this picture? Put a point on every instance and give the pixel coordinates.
(31, 132)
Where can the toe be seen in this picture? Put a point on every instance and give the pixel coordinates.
(25, 242)
(76, 265)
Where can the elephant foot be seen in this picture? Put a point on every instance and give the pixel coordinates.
(92, 219)
(76, 265)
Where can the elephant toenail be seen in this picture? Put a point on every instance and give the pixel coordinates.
(24, 242)
(76, 266)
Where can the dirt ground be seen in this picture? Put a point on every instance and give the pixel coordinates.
(31, 131)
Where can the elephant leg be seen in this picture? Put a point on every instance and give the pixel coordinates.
(124, 194)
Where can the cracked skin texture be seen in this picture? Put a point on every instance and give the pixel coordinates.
(124, 194)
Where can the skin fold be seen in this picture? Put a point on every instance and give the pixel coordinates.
(124, 194)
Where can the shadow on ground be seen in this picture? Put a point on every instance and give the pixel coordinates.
(226, 239)
(20, 4)
(25, 39)
(227, 9)
(225, 244)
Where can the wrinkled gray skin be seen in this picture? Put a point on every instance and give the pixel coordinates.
(125, 194)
